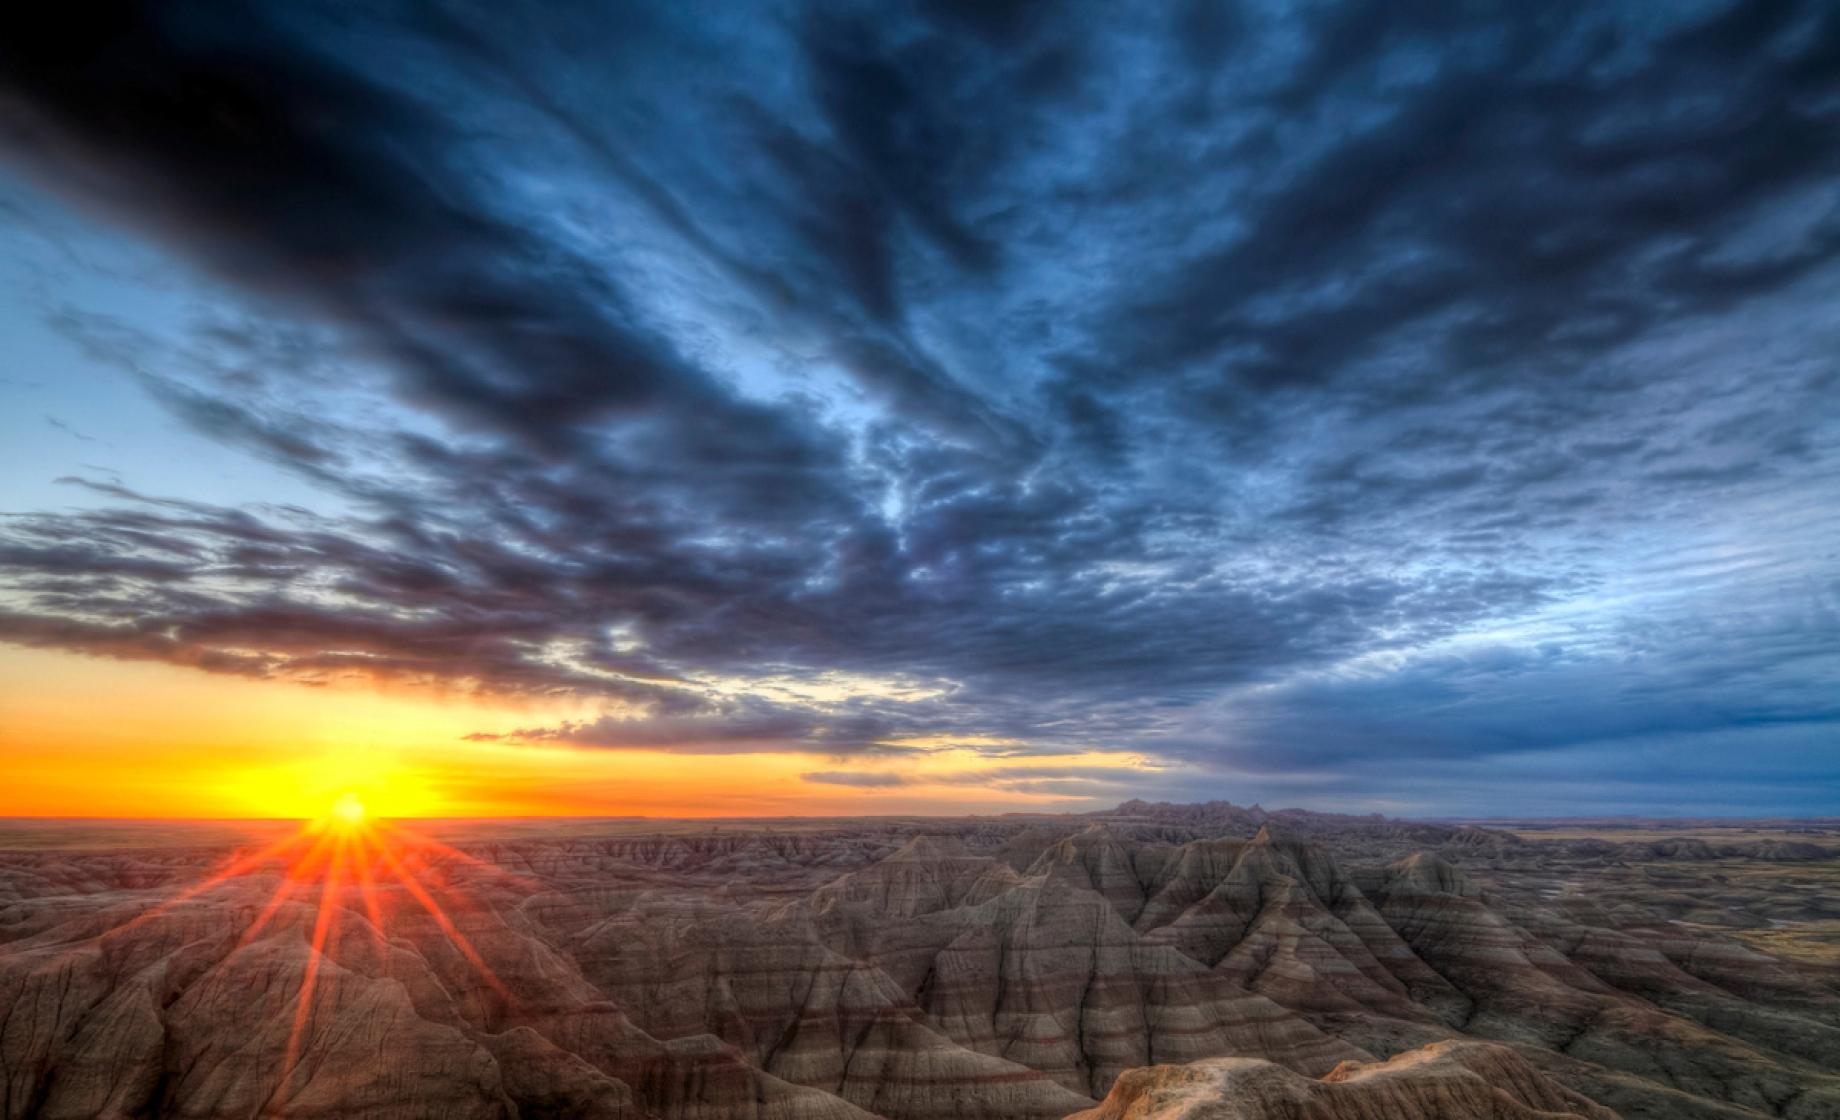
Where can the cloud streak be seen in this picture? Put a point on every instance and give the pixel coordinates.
(1230, 390)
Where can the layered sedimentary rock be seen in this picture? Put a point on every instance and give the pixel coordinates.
(1446, 1081)
(927, 970)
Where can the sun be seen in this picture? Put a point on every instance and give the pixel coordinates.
(347, 862)
(348, 811)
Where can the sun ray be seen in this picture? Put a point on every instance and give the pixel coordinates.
(238, 865)
(296, 874)
(427, 843)
(322, 925)
(343, 852)
(409, 882)
(367, 891)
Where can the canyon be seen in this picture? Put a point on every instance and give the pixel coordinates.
(1152, 962)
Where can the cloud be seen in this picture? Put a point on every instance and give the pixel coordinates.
(856, 779)
(702, 722)
(1209, 385)
(1091, 785)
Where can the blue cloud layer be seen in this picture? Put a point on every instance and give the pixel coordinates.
(1425, 405)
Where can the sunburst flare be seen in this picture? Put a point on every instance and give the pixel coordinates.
(349, 857)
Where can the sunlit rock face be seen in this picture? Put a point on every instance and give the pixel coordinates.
(1444, 1081)
(1142, 964)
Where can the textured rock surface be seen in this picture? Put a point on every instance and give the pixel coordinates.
(918, 970)
(1446, 1081)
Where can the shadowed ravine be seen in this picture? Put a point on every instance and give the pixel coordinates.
(1179, 961)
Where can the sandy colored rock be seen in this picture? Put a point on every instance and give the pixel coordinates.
(1446, 1081)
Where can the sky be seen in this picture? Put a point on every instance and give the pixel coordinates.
(920, 406)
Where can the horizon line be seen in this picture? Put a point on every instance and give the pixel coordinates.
(1429, 819)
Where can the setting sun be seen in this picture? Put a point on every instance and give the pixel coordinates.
(348, 810)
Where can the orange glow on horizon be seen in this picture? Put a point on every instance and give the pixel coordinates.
(85, 737)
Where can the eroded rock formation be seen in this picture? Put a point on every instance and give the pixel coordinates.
(1444, 1081)
(921, 971)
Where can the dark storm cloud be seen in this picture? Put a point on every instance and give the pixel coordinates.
(1529, 186)
(1192, 380)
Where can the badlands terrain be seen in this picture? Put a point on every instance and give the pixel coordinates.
(1149, 963)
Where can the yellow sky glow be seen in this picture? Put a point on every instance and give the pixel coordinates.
(91, 737)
